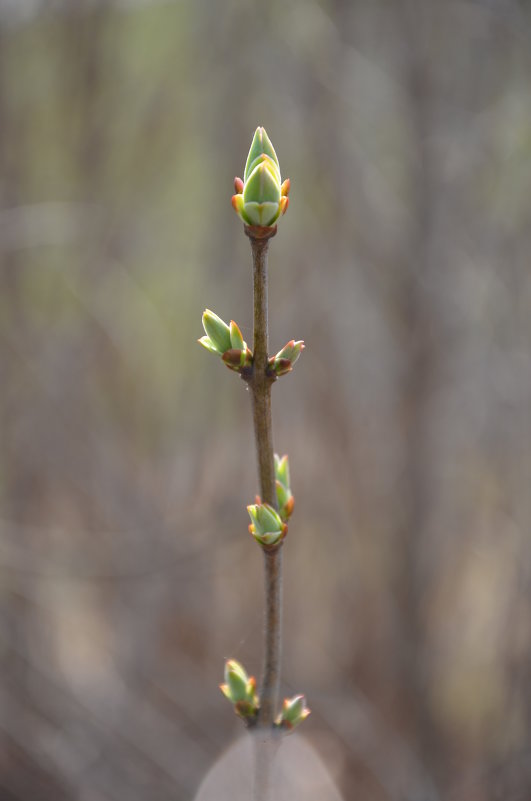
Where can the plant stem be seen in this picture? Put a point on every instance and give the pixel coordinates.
(260, 385)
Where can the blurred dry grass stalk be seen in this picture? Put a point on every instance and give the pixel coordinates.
(406, 130)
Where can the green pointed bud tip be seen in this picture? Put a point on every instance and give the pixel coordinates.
(237, 686)
(233, 666)
(282, 469)
(261, 144)
(217, 331)
(236, 338)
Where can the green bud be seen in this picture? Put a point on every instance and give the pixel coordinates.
(260, 146)
(236, 680)
(261, 197)
(282, 469)
(283, 496)
(285, 499)
(226, 341)
(267, 527)
(294, 711)
(284, 360)
(240, 689)
(217, 331)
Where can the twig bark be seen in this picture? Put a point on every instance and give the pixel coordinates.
(260, 385)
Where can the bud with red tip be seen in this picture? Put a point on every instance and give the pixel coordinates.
(294, 711)
(284, 360)
(240, 689)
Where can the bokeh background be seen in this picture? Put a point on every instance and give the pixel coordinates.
(127, 575)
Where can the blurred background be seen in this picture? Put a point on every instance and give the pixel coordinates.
(127, 575)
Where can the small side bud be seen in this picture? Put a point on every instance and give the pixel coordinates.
(267, 527)
(294, 711)
(282, 469)
(284, 360)
(240, 689)
(226, 341)
(285, 499)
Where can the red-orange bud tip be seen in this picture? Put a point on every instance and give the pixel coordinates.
(238, 185)
(284, 189)
(283, 205)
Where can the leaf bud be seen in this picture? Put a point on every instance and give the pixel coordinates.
(262, 196)
(226, 341)
(285, 499)
(267, 527)
(294, 711)
(284, 360)
(240, 689)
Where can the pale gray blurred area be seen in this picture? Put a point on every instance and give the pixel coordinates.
(291, 770)
(127, 575)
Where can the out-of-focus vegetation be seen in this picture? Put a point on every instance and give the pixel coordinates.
(126, 572)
